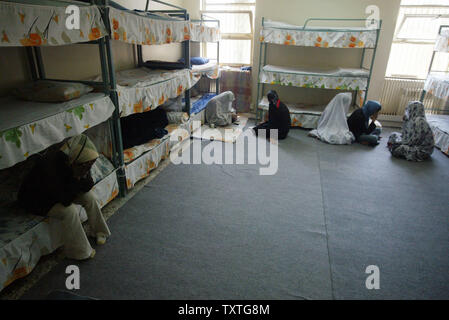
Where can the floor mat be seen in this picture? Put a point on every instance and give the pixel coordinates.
(225, 134)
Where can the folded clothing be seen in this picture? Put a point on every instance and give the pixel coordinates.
(196, 60)
(157, 64)
(142, 127)
(51, 91)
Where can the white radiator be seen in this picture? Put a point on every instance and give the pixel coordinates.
(398, 92)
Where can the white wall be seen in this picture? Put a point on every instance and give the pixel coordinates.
(296, 12)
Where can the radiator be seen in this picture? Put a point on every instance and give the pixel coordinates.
(398, 92)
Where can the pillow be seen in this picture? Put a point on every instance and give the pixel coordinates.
(52, 91)
(198, 60)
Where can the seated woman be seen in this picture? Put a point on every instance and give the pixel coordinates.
(358, 124)
(332, 125)
(56, 182)
(416, 141)
(278, 117)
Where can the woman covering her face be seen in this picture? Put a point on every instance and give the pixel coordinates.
(278, 117)
(57, 182)
(416, 141)
(358, 123)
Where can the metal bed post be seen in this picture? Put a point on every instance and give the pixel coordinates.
(186, 55)
(372, 62)
(262, 44)
(40, 62)
(217, 84)
(32, 62)
(116, 115)
(423, 94)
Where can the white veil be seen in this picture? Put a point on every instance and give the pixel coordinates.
(332, 125)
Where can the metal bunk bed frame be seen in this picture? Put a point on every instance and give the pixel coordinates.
(212, 20)
(263, 49)
(37, 68)
(423, 94)
(117, 134)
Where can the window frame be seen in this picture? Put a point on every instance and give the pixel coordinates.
(232, 36)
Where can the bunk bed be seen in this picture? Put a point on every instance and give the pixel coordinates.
(206, 30)
(142, 89)
(437, 84)
(29, 128)
(349, 79)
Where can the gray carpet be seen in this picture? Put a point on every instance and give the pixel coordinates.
(309, 232)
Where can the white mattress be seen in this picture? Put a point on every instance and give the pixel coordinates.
(143, 89)
(325, 72)
(210, 66)
(29, 127)
(323, 37)
(440, 128)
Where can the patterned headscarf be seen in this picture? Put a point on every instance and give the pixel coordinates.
(415, 129)
(80, 149)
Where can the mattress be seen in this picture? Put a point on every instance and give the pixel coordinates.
(440, 128)
(325, 37)
(132, 27)
(324, 78)
(442, 41)
(203, 33)
(437, 84)
(25, 238)
(44, 25)
(29, 127)
(142, 89)
(210, 69)
(301, 116)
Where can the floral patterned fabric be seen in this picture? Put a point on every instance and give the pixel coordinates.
(442, 42)
(29, 127)
(210, 69)
(416, 141)
(133, 28)
(438, 85)
(202, 33)
(40, 25)
(286, 34)
(340, 79)
(142, 89)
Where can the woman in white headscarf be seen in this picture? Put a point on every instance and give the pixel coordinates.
(416, 141)
(332, 125)
(57, 182)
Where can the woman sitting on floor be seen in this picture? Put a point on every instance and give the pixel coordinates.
(358, 124)
(278, 117)
(56, 182)
(332, 125)
(416, 141)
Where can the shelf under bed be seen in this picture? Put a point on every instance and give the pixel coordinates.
(301, 116)
(324, 78)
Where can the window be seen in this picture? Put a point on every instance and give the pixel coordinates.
(414, 39)
(237, 29)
